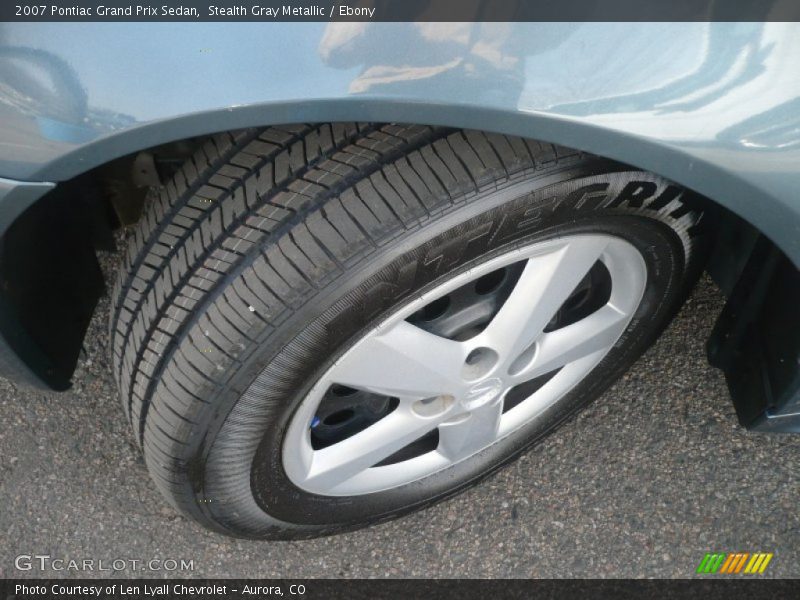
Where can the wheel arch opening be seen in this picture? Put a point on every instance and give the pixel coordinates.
(50, 274)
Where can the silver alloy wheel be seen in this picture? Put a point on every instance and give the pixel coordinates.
(459, 386)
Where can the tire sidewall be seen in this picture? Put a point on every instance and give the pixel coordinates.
(450, 242)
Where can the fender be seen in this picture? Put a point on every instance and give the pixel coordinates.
(712, 106)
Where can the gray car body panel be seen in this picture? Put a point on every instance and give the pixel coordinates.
(713, 106)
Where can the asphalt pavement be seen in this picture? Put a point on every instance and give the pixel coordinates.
(643, 483)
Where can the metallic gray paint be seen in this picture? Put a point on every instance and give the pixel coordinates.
(713, 106)
(17, 353)
(16, 196)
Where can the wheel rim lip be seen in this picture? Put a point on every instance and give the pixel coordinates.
(621, 258)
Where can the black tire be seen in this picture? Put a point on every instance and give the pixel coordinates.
(271, 250)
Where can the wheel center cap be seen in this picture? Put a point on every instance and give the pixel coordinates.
(482, 393)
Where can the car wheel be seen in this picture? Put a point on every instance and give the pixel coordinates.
(319, 327)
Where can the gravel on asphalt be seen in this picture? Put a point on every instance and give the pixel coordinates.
(643, 483)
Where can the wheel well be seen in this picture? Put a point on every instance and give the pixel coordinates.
(54, 282)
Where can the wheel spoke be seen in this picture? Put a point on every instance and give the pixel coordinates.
(544, 285)
(403, 361)
(475, 431)
(598, 331)
(344, 460)
(457, 389)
